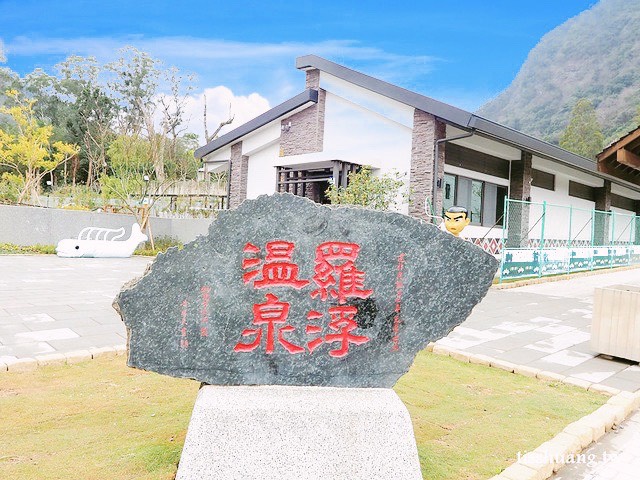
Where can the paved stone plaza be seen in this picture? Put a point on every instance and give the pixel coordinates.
(59, 305)
(547, 326)
(54, 305)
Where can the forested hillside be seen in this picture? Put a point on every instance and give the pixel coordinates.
(593, 56)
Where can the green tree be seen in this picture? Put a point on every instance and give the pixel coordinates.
(130, 171)
(91, 112)
(27, 150)
(367, 190)
(137, 82)
(583, 134)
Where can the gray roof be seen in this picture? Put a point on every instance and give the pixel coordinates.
(445, 112)
(308, 96)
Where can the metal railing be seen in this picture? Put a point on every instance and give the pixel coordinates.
(546, 239)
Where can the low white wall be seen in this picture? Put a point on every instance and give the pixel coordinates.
(47, 226)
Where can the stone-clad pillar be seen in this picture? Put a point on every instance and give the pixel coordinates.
(602, 221)
(303, 132)
(519, 189)
(426, 130)
(637, 223)
(239, 167)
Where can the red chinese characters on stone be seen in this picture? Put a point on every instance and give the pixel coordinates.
(185, 328)
(271, 313)
(205, 293)
(184, 343)
(342, 322)
(277, 269)
(336, 274)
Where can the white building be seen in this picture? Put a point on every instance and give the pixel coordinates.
(345, 119)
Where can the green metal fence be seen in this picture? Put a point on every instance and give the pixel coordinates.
(546, 239)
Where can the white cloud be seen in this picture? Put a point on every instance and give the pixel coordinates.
(220, 102)
(3, 57)
(206, 49)
(236, 63)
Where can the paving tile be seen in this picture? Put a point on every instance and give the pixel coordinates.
(584, 347)
(85, 343)
(107, 319)
(568, 358)
(621, 383)
(28, 349)
(549, 367)
(71, 324)
(520, 356)
(484, 350)
(560, 342)
(555, 329)
(631, 373)
(71, 314)
(96, 329)
(515, 326)
(47, 335)
(517, 340)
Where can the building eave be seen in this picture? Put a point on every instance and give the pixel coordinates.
(461, 118)
(309, 96)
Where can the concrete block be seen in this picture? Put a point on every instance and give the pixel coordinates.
(308, 433)
(578, 382)
(120, 349)
(526, 371)
(102, 352)
(503, 365)
(480, 359)
(441, 350)
(596, 423)
(540, 461)
(51, 359)
(633, 396)
(584, 433)
(518, 471)
(604, 389)
(460, 356)
(610, 415)
(22, 365)
(78, 356)
(623, 400)
(551, 376)
(561, 448)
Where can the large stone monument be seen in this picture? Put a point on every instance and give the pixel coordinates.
(283, 304)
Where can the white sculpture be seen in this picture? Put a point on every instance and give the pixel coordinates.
(101, 242)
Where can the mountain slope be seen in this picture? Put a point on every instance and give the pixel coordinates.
(595, 55)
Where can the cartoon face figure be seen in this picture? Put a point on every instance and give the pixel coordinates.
(455, 219)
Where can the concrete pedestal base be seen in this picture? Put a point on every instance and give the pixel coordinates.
(281, 432)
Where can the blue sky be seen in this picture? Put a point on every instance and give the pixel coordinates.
(462, 52)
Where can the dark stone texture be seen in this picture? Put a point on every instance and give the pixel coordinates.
(424, 282)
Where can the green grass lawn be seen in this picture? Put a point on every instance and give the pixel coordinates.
(102, 420)
(12, 249)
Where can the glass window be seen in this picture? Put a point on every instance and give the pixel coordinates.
(476, 201)
(449, 192)
(483, 200)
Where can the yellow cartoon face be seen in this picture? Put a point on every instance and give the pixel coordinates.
(455, 222)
